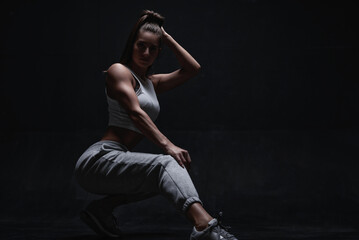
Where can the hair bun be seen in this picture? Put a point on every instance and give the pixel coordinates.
(153, 17)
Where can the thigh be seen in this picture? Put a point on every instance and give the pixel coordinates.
(123, 172)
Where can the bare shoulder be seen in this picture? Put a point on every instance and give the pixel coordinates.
(118, 71)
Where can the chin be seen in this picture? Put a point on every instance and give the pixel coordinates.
(143, 64)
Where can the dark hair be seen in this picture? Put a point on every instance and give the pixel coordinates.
(148, 21)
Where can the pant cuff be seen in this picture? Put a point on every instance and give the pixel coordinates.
(189, 202)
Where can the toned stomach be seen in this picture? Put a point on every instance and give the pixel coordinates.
(124, 136)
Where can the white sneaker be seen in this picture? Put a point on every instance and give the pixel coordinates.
(214, 231)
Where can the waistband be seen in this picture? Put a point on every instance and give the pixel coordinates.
(112, 144)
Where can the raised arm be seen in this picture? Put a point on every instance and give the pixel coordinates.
(121, 89)
(189, 67)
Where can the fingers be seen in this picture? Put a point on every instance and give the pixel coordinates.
(180, 161)
(181, 156)
(185, 159)
(188, 158)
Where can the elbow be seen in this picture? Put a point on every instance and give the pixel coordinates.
(196, 68)
(191, 70)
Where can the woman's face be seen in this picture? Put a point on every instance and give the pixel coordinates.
(145, 49)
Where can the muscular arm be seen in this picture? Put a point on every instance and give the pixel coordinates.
(189, 67)
(119, 83)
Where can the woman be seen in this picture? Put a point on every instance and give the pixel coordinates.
(109, 167)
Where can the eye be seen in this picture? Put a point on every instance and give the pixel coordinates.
(153, 48)
(141, 45)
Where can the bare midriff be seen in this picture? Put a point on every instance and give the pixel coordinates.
(124, 136)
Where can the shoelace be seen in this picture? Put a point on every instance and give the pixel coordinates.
(223, 230)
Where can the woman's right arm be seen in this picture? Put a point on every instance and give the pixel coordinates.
(119, 81)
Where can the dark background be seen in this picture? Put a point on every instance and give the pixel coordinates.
(271, 122)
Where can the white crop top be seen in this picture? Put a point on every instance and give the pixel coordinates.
(148, 102)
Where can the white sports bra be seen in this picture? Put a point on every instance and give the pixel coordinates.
(148, 102)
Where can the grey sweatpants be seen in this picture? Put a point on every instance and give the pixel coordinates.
(108, 168)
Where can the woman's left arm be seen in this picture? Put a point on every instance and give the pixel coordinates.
(189, 67)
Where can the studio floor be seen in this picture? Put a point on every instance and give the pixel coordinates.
(74, 229)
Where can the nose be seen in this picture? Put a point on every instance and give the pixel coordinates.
(147, 51)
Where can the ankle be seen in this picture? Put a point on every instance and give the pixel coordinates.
(201, 227)
(203, 224)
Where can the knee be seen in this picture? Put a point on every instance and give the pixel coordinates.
(166, 160)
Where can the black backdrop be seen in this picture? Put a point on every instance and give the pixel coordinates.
(271, 122)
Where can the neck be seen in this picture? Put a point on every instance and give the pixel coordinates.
(141, 72)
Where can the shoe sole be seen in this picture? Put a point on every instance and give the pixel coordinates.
(95, 224)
